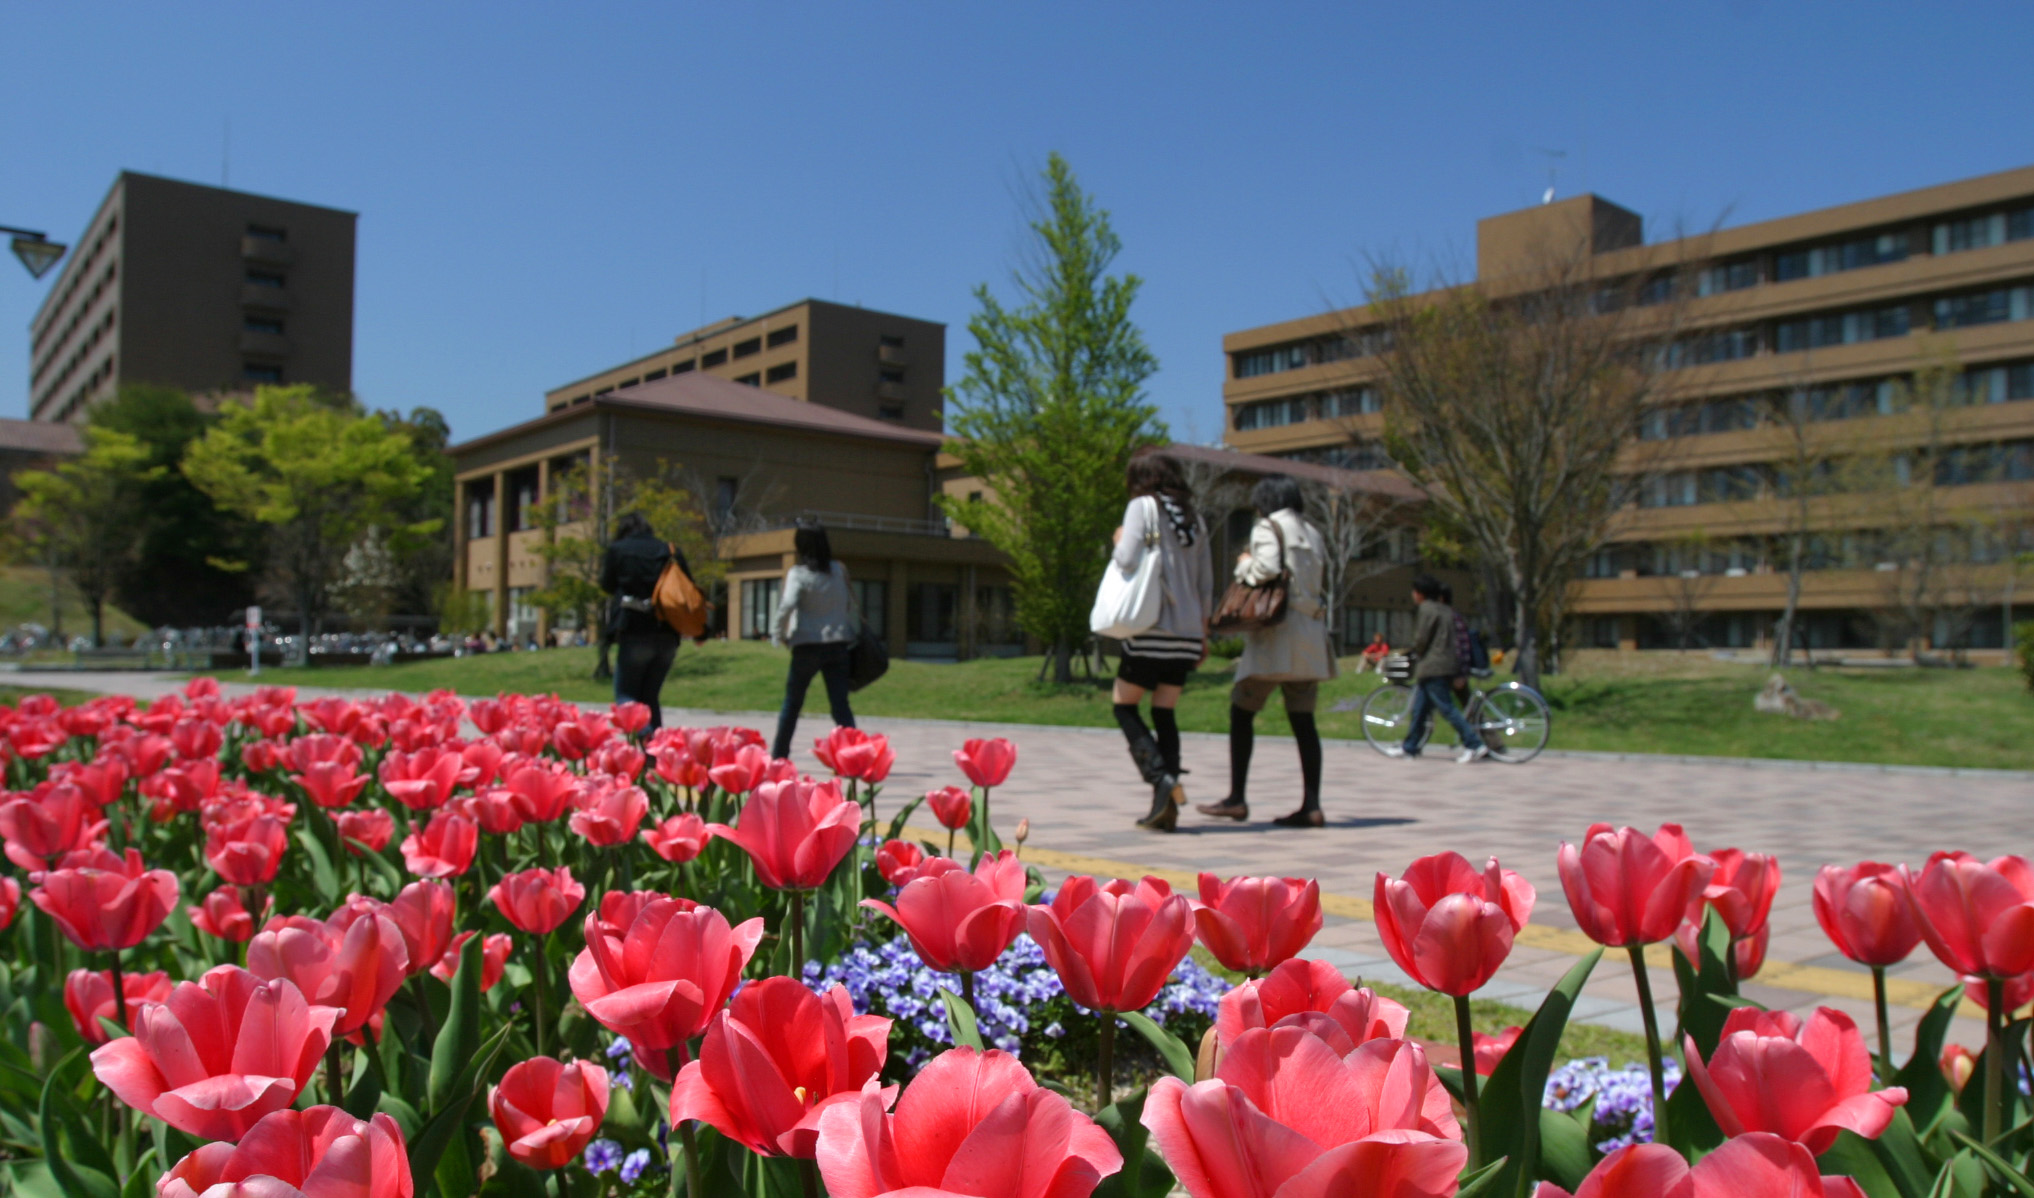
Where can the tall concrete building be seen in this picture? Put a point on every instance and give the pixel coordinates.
(1829, 314)
(875, 364)
(196, 287)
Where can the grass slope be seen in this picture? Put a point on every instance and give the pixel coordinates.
(24, 599)
(1607, 701)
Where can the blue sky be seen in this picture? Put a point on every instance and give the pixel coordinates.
(546, 190)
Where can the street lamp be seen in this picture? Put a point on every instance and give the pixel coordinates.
(36, 251)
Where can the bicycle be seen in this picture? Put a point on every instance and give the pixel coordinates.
(1512, 718)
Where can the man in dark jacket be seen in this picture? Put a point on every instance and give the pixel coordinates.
(1435, 657)
(644, 644)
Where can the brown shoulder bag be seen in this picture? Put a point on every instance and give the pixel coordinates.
(1246, 608)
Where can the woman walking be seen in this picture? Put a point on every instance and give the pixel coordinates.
(815, 616)
(644, 644)
(1292, 656)
(1161, 519)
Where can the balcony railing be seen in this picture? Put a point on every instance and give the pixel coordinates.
(862, 523)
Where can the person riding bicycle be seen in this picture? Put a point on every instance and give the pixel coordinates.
(1436, 658)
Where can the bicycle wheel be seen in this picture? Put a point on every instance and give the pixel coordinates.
(1515, 722)
(1384, 716)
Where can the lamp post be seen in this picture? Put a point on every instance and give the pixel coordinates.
(36, 251)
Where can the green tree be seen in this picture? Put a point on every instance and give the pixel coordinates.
(84, 514)
(1049, 410)
(319, 474)
(212, 556)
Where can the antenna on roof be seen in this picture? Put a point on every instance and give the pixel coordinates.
(1553, 159)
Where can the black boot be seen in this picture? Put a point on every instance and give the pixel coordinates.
(1165, 788)
(1308, 734)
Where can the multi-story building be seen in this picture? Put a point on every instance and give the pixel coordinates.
(875, 364)
(196, 287)
(1804, 338)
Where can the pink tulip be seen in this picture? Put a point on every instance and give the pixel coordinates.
(321, 1152)
(373, 828)
(2019, 992)
(958, 920)
(424, 912)
(1806, 1082)
(1297, 987)
(1741, 890)
(969, 1123)
(1626, 888)
(353, 961)
(898, 861)
(547, 1111)
(1490, 1049)
(217, 1054)
(1449, 926)
(609, 815)
(775, 1060)
(10, 900)
(852, 753)
(951, 806)
(331, 784)
(88, 996)
(494, 955)
(224, 915)
(1864, 911)
(537, 900)
(105, 902)
(630, 717)
(987, 763)
(1252, 924)
(49, 821)
(443, 848)
(247, 852)
(661, 977)
(738, 770)
(540, 793)
(422, 780)
(678, 839)
(1978, 916)
(1113, 945)
(795, 832)
(1749, 1166)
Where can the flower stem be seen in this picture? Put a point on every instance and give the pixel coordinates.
(1995, 1059)
(949, 843)
(119, 993)
(1105, 1052)
(1470, 1104)
(808, 1177)
(540, 971)
(1652, 1022)
(695, 1177)
(1885, 1024)
(335, 1071)
(798, 933)
(968, 990)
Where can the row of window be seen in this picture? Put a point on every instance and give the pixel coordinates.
(2003, 383)
(85, 309)
(1851, 549)
(1355, 455)
(932, 612)
(86, 388)
(99, 331)
(748, 347)
(82, 261)
(1854, 326)
(1966, 465)
(1297, 409)
(1312, 352)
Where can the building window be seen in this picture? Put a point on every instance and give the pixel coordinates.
(1841, 328)
(891, 411)
(725, 489)
(783, 336)
(759, 606)
(268, 232)
(682, 367)
(259, 324)
(1273, 413)
(715, 358)
(260, 372)
(580, 399)
(522, 492)
(1731, 276)
(890, 374)
(752, 346)
(1984, 307)
(264, 278)
(651, 376)
(480, 510)
(1669, 490)
(1275, 360)
(872, 598)
(1354, 401)
(1997, 384)
(1814, 261)
(996, 618)
(627, 383)
(1849, 401)
(749, 380)
(781, 372)
(1982, 232)
(891, 341)
(931, 617)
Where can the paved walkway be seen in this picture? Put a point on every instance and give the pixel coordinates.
(1077, 787)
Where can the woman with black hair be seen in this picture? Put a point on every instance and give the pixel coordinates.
(1292, 656)
(815, 616)
(644, 644)
(1157, 661)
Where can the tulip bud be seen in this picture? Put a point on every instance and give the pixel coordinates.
(1958, 1064)
(1023, 829)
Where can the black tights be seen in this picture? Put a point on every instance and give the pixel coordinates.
(1164, 729)
(1243, 740)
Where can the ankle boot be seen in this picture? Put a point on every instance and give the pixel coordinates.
(1166, 791)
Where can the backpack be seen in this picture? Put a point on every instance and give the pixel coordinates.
(1479, 654)
(678, 602)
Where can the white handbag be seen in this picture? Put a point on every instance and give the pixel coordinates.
(1127, 604)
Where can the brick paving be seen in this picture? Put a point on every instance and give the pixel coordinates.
(1078, 789)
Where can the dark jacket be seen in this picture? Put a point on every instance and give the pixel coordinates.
(1433, 643)
(630, 570)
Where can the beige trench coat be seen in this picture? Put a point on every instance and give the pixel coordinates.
(1296, 648)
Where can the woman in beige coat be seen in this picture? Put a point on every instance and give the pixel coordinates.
(1292, 656)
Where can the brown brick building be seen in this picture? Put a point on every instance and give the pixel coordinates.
(1832, 311)
(196, 287)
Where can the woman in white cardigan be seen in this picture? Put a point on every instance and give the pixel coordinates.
(1292, 656)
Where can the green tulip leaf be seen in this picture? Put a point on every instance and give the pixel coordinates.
(1144, 1174)
(459, 1038)
(1519, 1082)
(1928, 1096)
(322, 873)
(2000, 1166)
(1171, 1049)
(437, 1132)
(1483, 1181)
(960, 1019)
(76, 1178)
(1565, 1155)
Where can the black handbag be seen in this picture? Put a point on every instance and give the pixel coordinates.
(868, 656)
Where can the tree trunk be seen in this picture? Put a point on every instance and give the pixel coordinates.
(1526, 662)
(98, 621)
(1062, 662)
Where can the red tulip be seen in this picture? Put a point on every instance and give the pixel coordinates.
(196, 739)
(957, 920)
(103, 781)
(218, 1053)
(1286, 1116)
(618, 909)
(630, 717)
(260, 756)
(443, 848)
(1491, 1049)
(320, 1152)
(105, 902)
(247, 852)
(88, 996)
(1113, 945)
(579, 734)
(987, 763)
(373, 827)
(1298, 987)
(1806, 1082)
(676, 764)
(1750, 1166)
(1864, 911)
(1978, 916)
(617, 759)
(1252, 924)
(422, 780)
(2019, 992)
(852, 753)
(547, 1111)
(10, 900)
(537, 900)
(774, 1060)
(951, 806)
(423, 912)
(738, 770)
(898, 861)
(353, 961)
(662, 976)
(494, 954)
(1449, 926)
(1627, 888)
(678, 839)
(609, 815)
(1741, 890)
(224, 915)
(331, 784)
(1958, 1065)
(49, 821)
(795, 832)
(481, 763)
(969, 1123)
(540, 792)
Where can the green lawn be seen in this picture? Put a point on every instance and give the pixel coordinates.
(24, 599)
(1630, 703)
